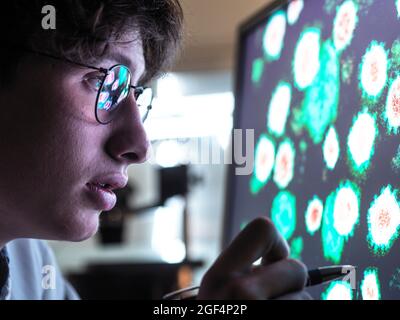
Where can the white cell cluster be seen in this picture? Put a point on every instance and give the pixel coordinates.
(279, 109)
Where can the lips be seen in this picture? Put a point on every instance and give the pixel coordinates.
(100, 190)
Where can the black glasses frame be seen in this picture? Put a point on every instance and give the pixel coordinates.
(138, 90)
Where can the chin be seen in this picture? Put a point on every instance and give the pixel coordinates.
(81, 227)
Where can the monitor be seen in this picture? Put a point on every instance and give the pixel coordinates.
(318, 84)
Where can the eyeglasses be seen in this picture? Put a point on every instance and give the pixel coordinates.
(114, 87)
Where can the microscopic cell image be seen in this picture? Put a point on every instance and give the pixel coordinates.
(361, 142)
(383, 219)
(284, 164)
(264, 163)
(313, 215)
(258, 70)
(338, 290)
(331, 149)
(374, 70)
(344, 25)
(274, 36)
(332, 242)
(346, 211)
(306, 62)
(392, 110)
(370, 285)
(398, 8)
(296, 248)
(294, 10)
(279, 109)
(283, 213)
(321, 101)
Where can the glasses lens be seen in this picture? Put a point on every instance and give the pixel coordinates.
(144, 101)
(114, 90)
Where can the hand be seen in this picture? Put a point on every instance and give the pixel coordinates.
(233, 275)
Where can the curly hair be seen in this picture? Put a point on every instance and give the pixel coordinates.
(86, 30)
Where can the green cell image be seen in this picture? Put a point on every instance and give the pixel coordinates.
(257, 70)
(395, 53)
(320, 105)
(383, 219)
(370, 285)
(296, 248)
(392, 110)
(338, 290)
(284, 164)
(394, 282)
(274, 35)
(303, 146)
(264, 163)
(346, 212)
(331, 148)
(361, 142)
(294, 10)
(283, 213)
(306, 63)
(398, 8)
(347, 70)
(329, 6)
(344, 25)
(332, 242)
(374, 70)
(396, 162)
(279, 108)
(313, 216)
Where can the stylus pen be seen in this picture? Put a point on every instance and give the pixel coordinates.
(315, 277)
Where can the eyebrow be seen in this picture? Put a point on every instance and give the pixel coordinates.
(121, 58)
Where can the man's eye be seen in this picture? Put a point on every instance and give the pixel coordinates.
(94, 82)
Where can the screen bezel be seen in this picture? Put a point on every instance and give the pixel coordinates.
(243, 30)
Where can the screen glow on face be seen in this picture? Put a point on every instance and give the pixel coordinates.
(313, 216)
(331, 149)
(344, 25)
(370, 285)
(320, 105)
(279, 109)
(346, 212)
(361, 142)
(374, 70)
(274, 36)
(332, 242)
(392, 112)
(338, 290)
(383, 219)
(284, 164)
(283, 213)
(306, 58)
(294, 10)
(264, 163)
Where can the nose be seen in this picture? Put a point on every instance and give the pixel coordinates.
(128, 143)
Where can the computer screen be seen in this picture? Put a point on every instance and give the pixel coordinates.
(319, 83)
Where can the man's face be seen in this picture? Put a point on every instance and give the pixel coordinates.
(53, 148)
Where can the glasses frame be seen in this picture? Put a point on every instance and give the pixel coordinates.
(138, 90)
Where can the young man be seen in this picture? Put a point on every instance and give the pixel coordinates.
(71, 124)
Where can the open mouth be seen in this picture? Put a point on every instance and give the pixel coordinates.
(100, 187)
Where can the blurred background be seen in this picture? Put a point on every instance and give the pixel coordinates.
(166, 229)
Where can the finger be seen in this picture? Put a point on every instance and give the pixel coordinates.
(268, 282)
(259, 239)
(301, 295)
